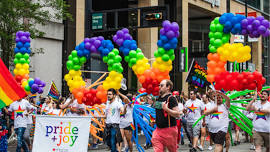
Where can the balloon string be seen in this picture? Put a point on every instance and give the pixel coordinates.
(97, 80)
(94, 71)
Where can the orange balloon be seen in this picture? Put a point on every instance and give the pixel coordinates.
(147, 73)
(160, 78)
(211, 64)
(221, 64)
(217, 70)
(210, 71)
(215, 57)
(99, 94)
(210, 56)
(210, 78)
(142, 79)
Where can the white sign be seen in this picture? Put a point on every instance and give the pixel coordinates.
(239, 38)
(61, 134)
(213, 2)
(252, 39)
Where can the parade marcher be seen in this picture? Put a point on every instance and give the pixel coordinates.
(261, 133)
(112, 132)
(183, 99)
(195, 109)
(166, 113)
(219, 121)
(21, 108)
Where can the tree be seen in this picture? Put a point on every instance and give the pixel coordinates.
(24, 15)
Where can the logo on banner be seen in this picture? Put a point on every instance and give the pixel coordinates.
(62, 134)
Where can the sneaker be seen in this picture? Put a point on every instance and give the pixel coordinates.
(252, 147)
(94, 146)
(210, 148)
(200, 147)
(123, 149)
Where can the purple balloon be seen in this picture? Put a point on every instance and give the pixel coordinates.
(125, 30)
(126, 36)
(177, 34)
(114, 38)
(166, 22)
(101, 38)
(19, 33)
(119, 42)
(27, 34)
(23, 39)
(170, 34)
(40, 90)
(43, 84)
(261, 29)
(93, 49)
(175, 27)
(87, 45)
(267, 33)
(92, 39)
(260, 18)
(250, 19)
(129, 37)
(244, 23)
(265, 23)
(37, 81)
(28, 40)
(35, 87)
(255, 33)
(244, 32)
(86, 40)
(249, 28)
(120, 34)
(162, 31)
(17, 39)
(97, 43)
(256, 24)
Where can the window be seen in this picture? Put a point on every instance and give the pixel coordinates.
(266, 60)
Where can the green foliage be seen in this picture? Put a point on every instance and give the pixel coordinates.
(24, 15)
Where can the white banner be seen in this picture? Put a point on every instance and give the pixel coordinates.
(61, 134)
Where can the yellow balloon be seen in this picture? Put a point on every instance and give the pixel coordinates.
(25, 66)
(24, 83)
(72, 72)
(22, 72)
(18, 66)
(15, 71)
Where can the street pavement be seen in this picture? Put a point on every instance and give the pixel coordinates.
(243, 147)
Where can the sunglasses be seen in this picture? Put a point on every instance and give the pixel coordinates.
(109, 94)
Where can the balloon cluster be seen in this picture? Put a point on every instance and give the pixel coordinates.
(113, 59)
(127, 46)
(239, 81)
(89, 45)
(255, 27)
(75, 61)
(121, 36)
(33, 85)
(113, 81)
(214, 66)
(21, 62)
(234, 52)
(217, 36)
(165, 55)
(231, 22)
(106, 47)
(89, 97)
(168, 35)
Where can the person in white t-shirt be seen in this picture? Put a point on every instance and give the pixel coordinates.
(112, 131)
(75, 109)
(219, 121)
(22, 108)
(261, 124)
(45, 106)
(193, 110)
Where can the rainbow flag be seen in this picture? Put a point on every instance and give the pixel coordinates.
(54, 93)
(152, 119)
(260, 115)
(132, 126)
(10, 90)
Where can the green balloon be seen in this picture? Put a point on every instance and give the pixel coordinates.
(138, 50)
(74, 53)
(132, 54)
(18, 55)
(69, 63)
(216, 20)
(120, 70)
(213, 49)
(76, 67)
(70, 57)
(111, 55)
(127, 58)
(165, 57)
(82, 60)
(30, 79)
(225, 39)
(105, 59)
(211, 35)
(28, 61)
(110, 68)
(170, 52)
(213, 28)
(115, 51)
(172, 57)
(27, 88)
(26, 56)
(110, 62)
(211, 41)
(22, 60)
(117, 58)
(130, 64)
(133, 61)
(16, 61)
(218, 35)
(218, 43)
(219, 27)
(156, 54)
(76, 60)
(161, 51)
(140, 56)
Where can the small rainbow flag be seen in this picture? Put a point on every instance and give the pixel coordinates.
(152, 119)
(10, 90)
(33, 96)
(54, 93)
(216, 114)
(132, 126)
(122, 114)
(260, 115)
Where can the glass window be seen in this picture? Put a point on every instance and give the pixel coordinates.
(254, 3)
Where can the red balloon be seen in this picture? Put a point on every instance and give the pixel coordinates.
(240, 77)
(229, 77)
(218, 77)
(250, 78)
(263, 80)
(142, 90)
(244, 81)
(234, 84)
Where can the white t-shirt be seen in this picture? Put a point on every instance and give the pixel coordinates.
(45, 109)
(127, 119)
(194, 109)
(208, 106)
(113, 112)
(181, 107)
(20, 109)
(74, 105)
(219, 120)
(261, 121)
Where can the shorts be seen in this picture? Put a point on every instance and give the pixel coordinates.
(194, 132)
(128, 128)
(219, 137)
(261, 138)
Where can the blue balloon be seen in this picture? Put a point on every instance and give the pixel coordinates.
(133, 46)
(81, 46)
(31, 83)
(28, 51)
(234, 20)
(222, 19)
(110, 46)
(225, 30)
(238, 27)
(159, 43)
(167, 46)
(77, 48)
(105, 52)
(234, 31)
(174, 41)
(19, 45)
(27, 45)
(163, 38)
(229, 16)
(86, 52)
(121, 49)
(33, 91)
(228, 25)
(23, 50)
(126, 51)
(126, 43)
(16, 50)
(80, 53)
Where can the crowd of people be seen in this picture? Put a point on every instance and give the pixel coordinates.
(175, 112)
